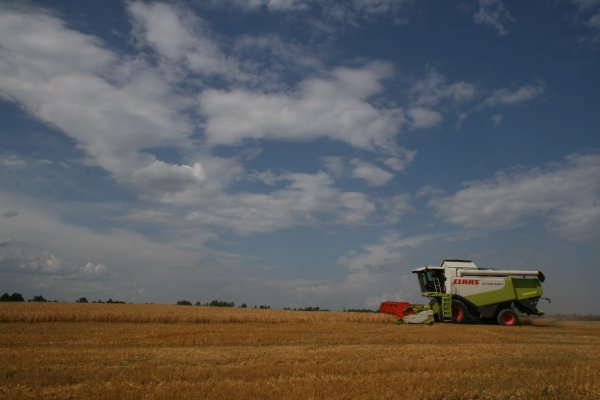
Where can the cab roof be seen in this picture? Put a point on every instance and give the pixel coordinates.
(448, 264)
(458, 264)
(427, 268)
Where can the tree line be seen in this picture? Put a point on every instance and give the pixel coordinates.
(18, 297)
(15, 297)
(219, 303)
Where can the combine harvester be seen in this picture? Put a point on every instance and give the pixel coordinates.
(460, 292)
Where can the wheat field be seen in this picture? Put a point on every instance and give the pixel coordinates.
(118, 351)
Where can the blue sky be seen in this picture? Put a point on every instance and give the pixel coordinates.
(296, 153)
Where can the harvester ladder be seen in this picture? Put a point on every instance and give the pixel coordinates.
(446, 307)
(437, 285)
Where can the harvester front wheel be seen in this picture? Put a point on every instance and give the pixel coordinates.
(508, 317)
(459, 312)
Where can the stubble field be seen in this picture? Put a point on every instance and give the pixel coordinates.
(106, 351)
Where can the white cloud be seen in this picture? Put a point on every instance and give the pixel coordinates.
(387, 253)
(334, 107)
(402, 160)
(268, 60)
(359, 289)
(395, 207)
(377, 7)
(47, 252)
(567, 196)
(351, 13)
(168, 178)
(306, 200)
(357, 12)
(372, 174)
(271, 5)
(434, 89)
(92, 269)
(21, 257)
(11, 161)
(336, 166)
(182, 38)
(42, 45)
(145, 216)
(423, 118)
(588, 16)
(340, 167)
(506, 97)
(493, 14)
(113, 108)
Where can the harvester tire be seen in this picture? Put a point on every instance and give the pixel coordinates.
(459, 312)
(507, 317)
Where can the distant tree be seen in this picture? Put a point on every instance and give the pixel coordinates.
(5, 297)
(265, 307)
(184, 303)
(16, 297)
(243, 305)
(219, 303)
(39, 298)
(82, 300)
(197, 303)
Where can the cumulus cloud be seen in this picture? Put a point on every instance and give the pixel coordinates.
(92, 269)
(423, 118)
(271, 5)
(44, 251)
(359, 289)
(113, 108)
(334, 107)
(268, 60)
(566, 195)
(306, 200)
(506, 97)
(494, 14)
(168, 178)
(181, 38)
(356, 12)
(515, 96)
(372, 174)
(336, 166)
(22, 257)
(395, 207)
(400, 162)
(351, 13)
(434, 89)
(388, 252)
(146, 216)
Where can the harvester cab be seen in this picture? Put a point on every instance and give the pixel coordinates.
(459, 291)
(432, 279)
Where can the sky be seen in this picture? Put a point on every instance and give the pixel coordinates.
(296, 153)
